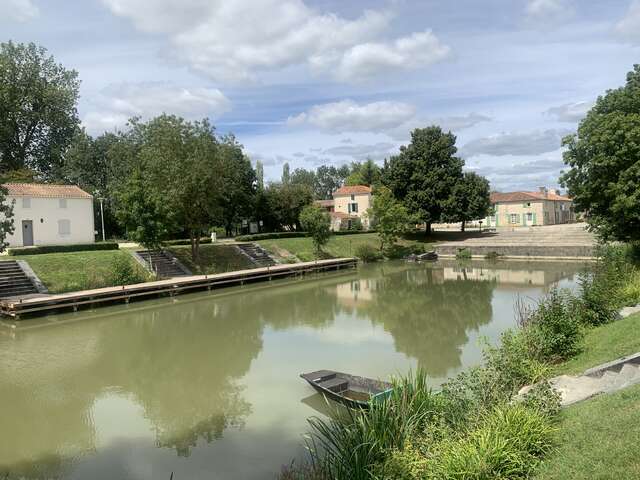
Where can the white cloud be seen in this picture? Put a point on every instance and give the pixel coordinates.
(232, 40)
(449, 123)
(514, 143)
(348, 116)
(120, 102)
(547, 12)
(570, 112)
(18, 10)
(377, 151)
(629, 27)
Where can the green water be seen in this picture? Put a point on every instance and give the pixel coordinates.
(206, 385)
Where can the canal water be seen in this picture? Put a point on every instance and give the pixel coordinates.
(206, 386)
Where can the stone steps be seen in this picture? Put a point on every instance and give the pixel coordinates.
(162, 263)
(258, 256)
(14, 281)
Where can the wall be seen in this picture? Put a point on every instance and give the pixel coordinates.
(544, 213)
(363, 200)
(45, 213)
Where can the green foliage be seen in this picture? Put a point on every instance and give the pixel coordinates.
(317, 223)
(284, 203)
(124, 271)
(38, 115)
(492, 256)
(389, 216)
(425, 172)
(469, 199)
(463, 254)
(367, 173)
(604, 161)
(6, 218)
(266, 236)
(555, 327)
(186, 241)
(286, 174)
(367, 253)
(77, 247)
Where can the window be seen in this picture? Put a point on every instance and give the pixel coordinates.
(352, 207)
(62, 203)
(64, 227)
(26, 202)
(513, 218)
(353, 197)
(529, 217)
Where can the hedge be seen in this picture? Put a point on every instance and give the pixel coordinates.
(79, 247)
(274, 235)
(185, 241)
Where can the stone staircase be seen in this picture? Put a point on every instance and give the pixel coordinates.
(258, 255)
(567, 240)
(162, 263)
(605, 378)
(14, 282)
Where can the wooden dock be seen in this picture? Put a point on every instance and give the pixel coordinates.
(34, 305)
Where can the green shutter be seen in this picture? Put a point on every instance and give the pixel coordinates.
(524, 219)
(534, 218)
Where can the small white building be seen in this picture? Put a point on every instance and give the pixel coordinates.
(50, 214)
(349, 205)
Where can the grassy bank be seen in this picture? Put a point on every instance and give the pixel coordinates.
(213, 259)
(301, 249)
(70, 271)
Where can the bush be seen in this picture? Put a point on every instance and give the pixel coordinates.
(268, 236)
(78, 247)
(631, 291)
(492, 256)
(463, 254)
(125, 272)
(367, 253)
(555, 327)
(185, 241)
(353, 232)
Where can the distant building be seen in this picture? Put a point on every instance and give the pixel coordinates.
(50, 214)
(348, 207)
(544, 207)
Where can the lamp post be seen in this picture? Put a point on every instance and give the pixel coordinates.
(101, 199)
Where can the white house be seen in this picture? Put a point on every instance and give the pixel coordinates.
(50, 214)
(349, 205)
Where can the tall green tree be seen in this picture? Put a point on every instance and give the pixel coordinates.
(367, 173)
(302, 176)
(469, 200)
(259, 175)
(239, 180)
(424, 174)
(286, 174)
(286, 203)
(329, 179)
(317, 223)
(604, 160)
(389, 216)
(6, 218)
(38, 116)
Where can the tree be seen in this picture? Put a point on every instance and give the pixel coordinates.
(423, 175)
(604, 161)
(301, 176)
(6, 218)
(259, 175)
(389, 215)
(38, 116)
(285, 202)
(317, 223)
(469, 199)
(286, 174)
(367, 173)
(329, 179)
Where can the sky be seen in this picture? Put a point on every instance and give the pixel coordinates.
(331, 82)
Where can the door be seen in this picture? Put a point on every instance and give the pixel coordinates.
(529, 218)
(27, 233)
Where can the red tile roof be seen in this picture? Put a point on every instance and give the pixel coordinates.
(45, 190)
(498, 197)
(352, 190)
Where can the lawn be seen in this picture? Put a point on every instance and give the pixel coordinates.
(70, 271)
(288, 249)
(605, 343)
(213, 259)
(598, 439)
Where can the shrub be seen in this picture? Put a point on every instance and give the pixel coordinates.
(125, 272)
(367, 253)
(317, 223)
(268, 236)
(78, 247)
(463, 254)
(555, 327)
(492, 256)
(631, 291)
(185, 241)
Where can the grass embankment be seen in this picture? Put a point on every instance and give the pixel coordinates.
(213, 259)
(302, 249)
(597, 438)
(71, 271)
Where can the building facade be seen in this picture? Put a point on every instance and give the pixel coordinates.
(348, 208)
(522, 209)
(50, 214)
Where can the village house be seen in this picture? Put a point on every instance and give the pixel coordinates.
(50, 214)
(348, 207)
(544, 207)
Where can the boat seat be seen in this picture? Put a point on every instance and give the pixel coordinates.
(321, 375)
(335, 384)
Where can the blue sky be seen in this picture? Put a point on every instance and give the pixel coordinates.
(313, 82)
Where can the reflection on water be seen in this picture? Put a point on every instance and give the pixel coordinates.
(206, 385)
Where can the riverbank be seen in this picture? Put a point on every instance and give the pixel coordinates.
(472, 426)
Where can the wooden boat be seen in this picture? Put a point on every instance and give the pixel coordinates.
(427, 256)
(350, 390)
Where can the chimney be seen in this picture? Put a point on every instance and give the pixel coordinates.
(543, 191)
(558, 192)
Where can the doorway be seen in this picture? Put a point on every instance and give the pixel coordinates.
(27, 233)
